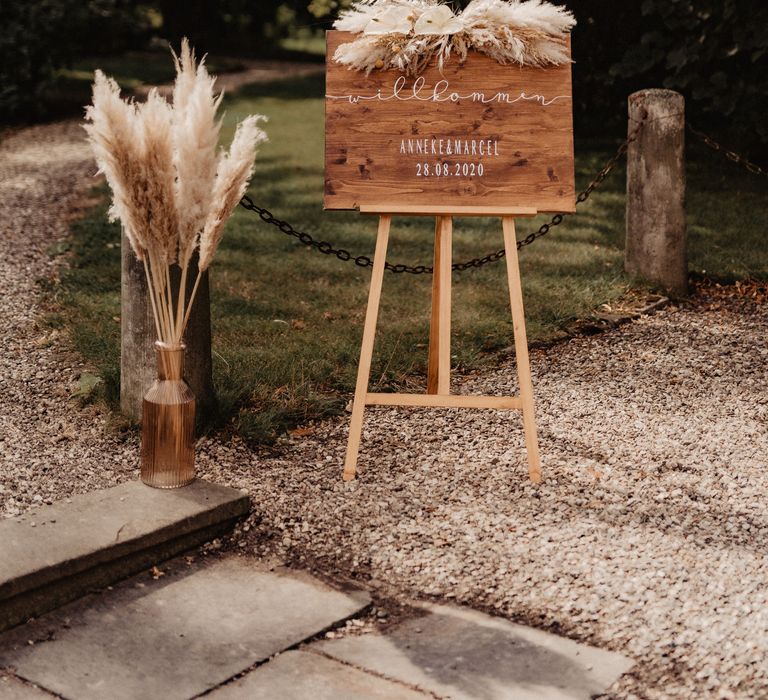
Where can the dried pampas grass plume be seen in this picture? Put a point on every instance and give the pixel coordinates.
(195, 137)
(196, 130)
(234, 172)
(116, 144)
(155, 118)
(528, 33)
(172, 189)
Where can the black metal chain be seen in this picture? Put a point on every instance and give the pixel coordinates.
(365, 261)
(730, 155)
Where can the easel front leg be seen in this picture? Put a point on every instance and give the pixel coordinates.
(439, 371)
(366, 351)
(521, 350)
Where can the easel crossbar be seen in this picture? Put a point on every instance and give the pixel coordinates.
(512, 403)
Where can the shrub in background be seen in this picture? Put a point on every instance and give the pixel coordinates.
(715, 52)
(41, 36)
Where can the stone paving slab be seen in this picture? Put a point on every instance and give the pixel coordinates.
(175, 637)
(62, 551)
(299, 675)
(462, 654)
(14, 689)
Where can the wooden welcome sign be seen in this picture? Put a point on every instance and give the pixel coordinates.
(476, 138)
(476, 133)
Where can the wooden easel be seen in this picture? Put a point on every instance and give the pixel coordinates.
(439, 374)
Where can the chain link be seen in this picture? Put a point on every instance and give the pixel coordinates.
(730, 155)
(365, 261)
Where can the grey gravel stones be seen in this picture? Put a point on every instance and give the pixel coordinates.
(50, 448)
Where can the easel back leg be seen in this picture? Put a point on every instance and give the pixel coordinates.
(433, 369)
(444, 335)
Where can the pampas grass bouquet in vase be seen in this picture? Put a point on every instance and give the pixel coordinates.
(173, 190)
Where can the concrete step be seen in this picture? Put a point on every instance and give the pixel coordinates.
(14, 689)
(61, 552)
(175, 635)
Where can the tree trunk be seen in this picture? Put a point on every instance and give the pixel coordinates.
(656, 229)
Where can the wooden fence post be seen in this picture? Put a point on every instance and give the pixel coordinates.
(656, 229)
(138, 365)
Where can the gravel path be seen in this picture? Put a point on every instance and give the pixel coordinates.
(647, 537)
(50, 448)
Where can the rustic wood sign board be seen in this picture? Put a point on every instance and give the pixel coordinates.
(477, 134)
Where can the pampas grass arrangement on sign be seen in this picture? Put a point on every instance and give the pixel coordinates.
(172, 189)
(406, 35)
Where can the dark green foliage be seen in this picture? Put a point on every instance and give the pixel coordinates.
(29, 50)
(39, 37)
(715, 52)
(242, 27)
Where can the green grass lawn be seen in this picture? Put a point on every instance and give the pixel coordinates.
(288, 321)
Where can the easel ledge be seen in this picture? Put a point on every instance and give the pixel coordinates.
(413, 210)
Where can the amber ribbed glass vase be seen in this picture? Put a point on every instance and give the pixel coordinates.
(168, 424)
